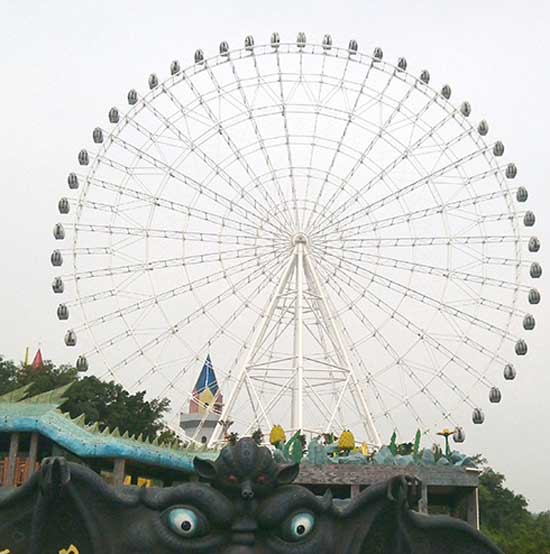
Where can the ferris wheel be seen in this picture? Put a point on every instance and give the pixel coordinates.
(339, 235)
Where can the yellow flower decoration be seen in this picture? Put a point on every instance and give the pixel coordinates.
(277, 435)
(346, 441)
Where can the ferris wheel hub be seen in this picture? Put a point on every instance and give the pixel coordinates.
(299, 238)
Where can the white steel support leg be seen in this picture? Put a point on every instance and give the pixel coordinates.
(257, 340)
(356, 392)
(298, 413)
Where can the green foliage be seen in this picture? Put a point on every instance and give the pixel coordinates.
(506, 520)
(293, 449)
(393, 443)
(416, 447)
(105, 402)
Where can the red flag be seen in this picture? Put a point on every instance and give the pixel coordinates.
(37, 362)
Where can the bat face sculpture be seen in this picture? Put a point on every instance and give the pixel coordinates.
(248, 506)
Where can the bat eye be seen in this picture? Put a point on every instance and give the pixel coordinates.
(186, 522)
(299, 526)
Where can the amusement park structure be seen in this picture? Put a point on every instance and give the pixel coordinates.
(334, 231)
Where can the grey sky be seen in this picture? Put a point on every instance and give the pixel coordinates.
(65, 63)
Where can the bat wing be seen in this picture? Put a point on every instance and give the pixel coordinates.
(379, 521)
(65, 508)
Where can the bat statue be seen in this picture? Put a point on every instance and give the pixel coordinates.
(245, 503)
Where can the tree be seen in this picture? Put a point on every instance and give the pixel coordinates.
(8, 375)
(506, 520)
(108, 403)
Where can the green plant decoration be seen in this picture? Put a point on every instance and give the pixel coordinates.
(416, 447)
(393, 443)
(293, 449)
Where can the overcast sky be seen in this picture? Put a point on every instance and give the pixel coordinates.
(65, 63)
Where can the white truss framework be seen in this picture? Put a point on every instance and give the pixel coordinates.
(301, 374)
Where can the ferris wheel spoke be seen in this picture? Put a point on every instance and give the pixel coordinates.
(405, 322)
(444, 272)
(217, 123)
(424, 298)
(194, 236)
(191, 212)
(257, 133)
(455, 208)
(341, 139)
(381, 132)
(392, 165)
(168, 294)
(202, 155)
(171, 331)
(222, 328)
(423, 386)
(424, 180)
(369, 377)
(286, 131)
(201, 188)
(181, 261)
(424, 241)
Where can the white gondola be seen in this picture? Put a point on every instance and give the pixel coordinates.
(459, 434)
(402, 64)
(533, 296)
(446, 91)
(535, 270)
(521, 347)
(378, 54)
(72, 181)
(327, 42)
(483, 127)
(58, 231)
(249, 42)
(352, 46)
(63, 206)
(529, 219)
(495, 396)
(498, 148)
(275, 40)
(62, 312)
(82, 364)
(199, 56)
(114, 116)
(528, 322)
(425, 76)
(97, 135)
(175, 67)
(132, 97)
(509, 372)
(56, 258)
(478, 417)
(70, 338)
(83, 158)
(153, 81)
(511, 171)
(466, 109)
(224, 48)
(534, 244)
(57, 285)
(522, 194)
